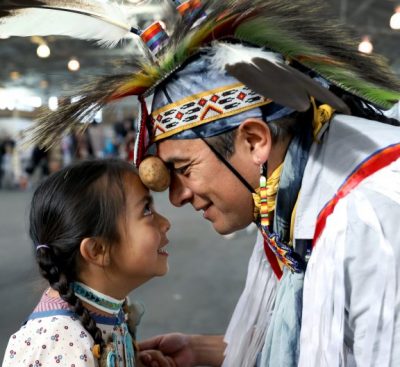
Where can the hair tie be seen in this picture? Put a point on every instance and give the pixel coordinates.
(41, 246)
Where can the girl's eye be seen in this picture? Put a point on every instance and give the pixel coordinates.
(147, 210)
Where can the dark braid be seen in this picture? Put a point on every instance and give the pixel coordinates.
(80, 201)
(59, 282)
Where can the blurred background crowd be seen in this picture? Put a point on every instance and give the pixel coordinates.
(23, 166)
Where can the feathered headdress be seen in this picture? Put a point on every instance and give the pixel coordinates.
(301, 32)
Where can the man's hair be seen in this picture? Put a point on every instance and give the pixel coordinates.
(224, 143)
(288, 125)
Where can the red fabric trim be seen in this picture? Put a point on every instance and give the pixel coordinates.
(272, 260)
(372, 164)
(141, 151)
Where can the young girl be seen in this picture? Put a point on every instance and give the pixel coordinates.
(97, 237)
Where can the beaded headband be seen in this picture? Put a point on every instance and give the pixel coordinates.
(203, 108)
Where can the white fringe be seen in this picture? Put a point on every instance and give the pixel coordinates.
(322, 333)
(247, 329)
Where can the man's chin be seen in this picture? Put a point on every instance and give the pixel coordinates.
(227, 228)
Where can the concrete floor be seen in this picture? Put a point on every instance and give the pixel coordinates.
(207, 273)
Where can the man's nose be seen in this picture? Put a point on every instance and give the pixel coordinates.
(165, 225)
(179, 193)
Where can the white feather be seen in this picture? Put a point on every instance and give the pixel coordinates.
(98, 20)
(223, 54)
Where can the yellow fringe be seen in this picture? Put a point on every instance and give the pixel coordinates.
(272, 190)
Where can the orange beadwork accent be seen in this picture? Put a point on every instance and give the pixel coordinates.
(96, 350)
(190, 5)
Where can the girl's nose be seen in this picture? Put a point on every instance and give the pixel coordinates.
(165, 224)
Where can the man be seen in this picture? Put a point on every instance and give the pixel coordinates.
(338, 179)
(338, 315)
(264, 112)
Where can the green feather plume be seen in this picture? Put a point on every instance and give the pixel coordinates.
(303, 31)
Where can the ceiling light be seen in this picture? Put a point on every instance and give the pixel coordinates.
(365, 45)
(43, 51)
(53, 103)
(395, 19)
(11, 106)
(73, 65)
(33, 101)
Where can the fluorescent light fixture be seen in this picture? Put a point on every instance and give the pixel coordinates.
(53, 103)
(33, 101)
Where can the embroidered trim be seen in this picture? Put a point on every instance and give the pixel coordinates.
(100, 319)
(284, 252)
(272, 259)
(205, 107)
(97, 299)
(369, 166)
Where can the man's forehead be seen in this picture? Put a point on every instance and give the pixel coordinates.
(178, 150)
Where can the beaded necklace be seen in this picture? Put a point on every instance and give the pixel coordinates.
(96, 299)
(108, 357)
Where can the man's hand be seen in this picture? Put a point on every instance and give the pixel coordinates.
(175, 346)
(184, 350)
(154, 358)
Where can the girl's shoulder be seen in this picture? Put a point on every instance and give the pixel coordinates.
(48, 338)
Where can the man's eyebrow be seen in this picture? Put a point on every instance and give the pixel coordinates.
(172, 160)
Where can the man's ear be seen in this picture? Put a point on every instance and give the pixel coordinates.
(95, 252)
(255, 137)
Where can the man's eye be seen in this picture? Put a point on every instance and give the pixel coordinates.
(147, 210)
(182, 170)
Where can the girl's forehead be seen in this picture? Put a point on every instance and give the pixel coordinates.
(134, 188)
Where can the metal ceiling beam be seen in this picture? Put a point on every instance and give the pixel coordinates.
(343, 10)
(362, 8)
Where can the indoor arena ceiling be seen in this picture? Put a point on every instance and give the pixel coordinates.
(20, 66)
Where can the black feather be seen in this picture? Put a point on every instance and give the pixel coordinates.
(294, 88)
